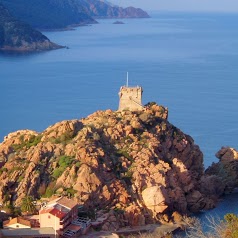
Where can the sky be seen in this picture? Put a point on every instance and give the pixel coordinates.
(182, 5)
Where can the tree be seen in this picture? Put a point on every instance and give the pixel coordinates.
(28, 205)
(231, 230)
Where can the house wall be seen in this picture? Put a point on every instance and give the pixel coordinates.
(72, 215)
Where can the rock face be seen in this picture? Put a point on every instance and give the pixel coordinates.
(226, 170)
(17, 36)
(103, 9)
(135, 164)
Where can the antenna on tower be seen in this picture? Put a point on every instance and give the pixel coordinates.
(127, 79)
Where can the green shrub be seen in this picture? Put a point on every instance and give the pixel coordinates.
(123, 152)
(50, 190)
(33, 141)
(20, 178)
(63, 163)
(58, 172)
(64, 138)
(70, 191)
(78, 164)
(3, 170)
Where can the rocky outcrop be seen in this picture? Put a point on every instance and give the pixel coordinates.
(226, 170)
(135, 164)
(17, 36)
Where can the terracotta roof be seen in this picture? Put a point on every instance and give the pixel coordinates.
(58, 213)
(16, 220)
(55, 212)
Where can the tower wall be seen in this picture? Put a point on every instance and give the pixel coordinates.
(130, 98)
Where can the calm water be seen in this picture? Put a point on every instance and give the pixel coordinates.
(187, 62)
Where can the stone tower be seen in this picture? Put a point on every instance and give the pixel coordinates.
(130, 98)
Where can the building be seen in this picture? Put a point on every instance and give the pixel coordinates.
(18, 222)
(130, 98)
(46, 232)
(57, 218)
(58, 214)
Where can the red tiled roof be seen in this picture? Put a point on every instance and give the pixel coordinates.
(54, 212)
(58, 213)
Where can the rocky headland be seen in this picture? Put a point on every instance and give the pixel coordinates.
(103, 9)
(133, 168)
(19, 17)
(226, 169)
(18, 36)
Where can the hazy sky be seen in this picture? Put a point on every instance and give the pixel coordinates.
(182, 5)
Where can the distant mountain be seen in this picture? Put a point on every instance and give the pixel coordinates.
(104, 9)
(18, 36)
(48, 14)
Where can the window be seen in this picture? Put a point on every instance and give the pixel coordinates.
(49, 216)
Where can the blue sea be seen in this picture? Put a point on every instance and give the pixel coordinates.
(187, 62)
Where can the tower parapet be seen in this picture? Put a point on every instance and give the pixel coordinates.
(130, 98)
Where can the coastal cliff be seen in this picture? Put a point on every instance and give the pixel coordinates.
(102, 9)
(136, 164)
(226, 169)
(18, 36)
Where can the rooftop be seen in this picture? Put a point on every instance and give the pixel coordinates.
(63, 201)
(19, 220)
(27, 232)
(55, 212)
